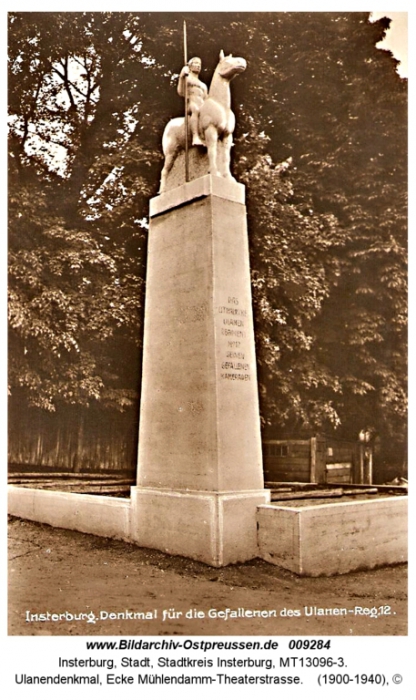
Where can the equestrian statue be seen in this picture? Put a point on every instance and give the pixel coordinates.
(209, 121)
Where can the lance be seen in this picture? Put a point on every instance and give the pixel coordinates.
(185, 54)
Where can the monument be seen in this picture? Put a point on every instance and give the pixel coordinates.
(200, 474)
(200, 490)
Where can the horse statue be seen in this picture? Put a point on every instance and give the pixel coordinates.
(216, 123)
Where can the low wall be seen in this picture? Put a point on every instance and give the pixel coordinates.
(95, 515)
(334, 538)
(308, 540)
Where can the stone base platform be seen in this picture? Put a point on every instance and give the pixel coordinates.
(213, 527)
(310, 540)
(336, 538)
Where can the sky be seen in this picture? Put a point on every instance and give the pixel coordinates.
(396, 38)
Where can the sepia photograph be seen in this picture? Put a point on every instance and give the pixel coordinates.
(207, 307)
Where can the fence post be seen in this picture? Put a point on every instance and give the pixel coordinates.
(313, 461)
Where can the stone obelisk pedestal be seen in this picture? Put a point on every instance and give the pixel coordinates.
(200, 476)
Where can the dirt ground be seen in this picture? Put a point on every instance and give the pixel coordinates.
(61, 571)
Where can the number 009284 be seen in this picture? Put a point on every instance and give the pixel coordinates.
(309, 644)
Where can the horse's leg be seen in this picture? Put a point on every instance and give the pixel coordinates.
(173, 141)
(211, 138)
(224, 155)
(169, 160)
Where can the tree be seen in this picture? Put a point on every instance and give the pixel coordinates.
(336, 105)
(321, 145)
(75, 292)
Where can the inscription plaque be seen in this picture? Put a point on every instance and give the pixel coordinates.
(233, 315)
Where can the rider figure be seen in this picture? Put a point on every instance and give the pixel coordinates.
(197, 93)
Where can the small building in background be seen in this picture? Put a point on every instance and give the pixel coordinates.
(319, 459)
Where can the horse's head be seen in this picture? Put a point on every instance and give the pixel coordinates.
(229, 66)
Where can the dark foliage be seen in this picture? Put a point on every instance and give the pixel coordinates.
(321, 145)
